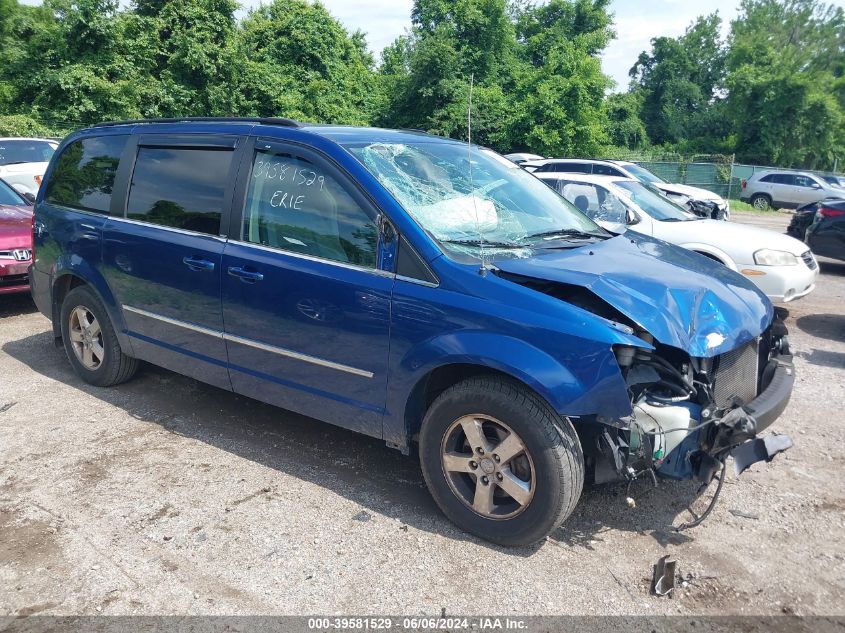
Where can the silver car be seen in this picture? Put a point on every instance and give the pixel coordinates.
(772, 189)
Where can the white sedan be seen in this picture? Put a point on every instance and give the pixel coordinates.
(780, 265)
(23, 162)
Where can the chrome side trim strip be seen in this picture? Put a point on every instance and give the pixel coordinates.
(311, 258)
(251, 343)
(171, 229)
(419, 282)
(177, 322)
(296, 355)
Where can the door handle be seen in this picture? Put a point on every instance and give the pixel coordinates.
(246, 276)
(197, 264)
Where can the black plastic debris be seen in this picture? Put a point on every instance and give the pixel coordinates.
(758, 450)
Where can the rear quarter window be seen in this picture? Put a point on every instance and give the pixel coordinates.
(606, 170)
(183, 188)
(83, 176)
(573, 168)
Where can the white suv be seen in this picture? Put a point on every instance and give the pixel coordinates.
(23, 162)
(772, 189)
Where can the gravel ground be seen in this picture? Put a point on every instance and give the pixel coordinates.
(166, 496)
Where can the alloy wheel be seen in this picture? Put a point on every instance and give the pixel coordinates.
(488, 466)
(86, 338)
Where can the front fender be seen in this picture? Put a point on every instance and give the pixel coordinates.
(583, 381)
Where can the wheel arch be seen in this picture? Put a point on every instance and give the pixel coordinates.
(565, 392)
(69, 277)
(713, 253)
(439, 379)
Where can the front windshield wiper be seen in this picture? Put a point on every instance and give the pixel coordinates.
(566, 233)
(490, 243)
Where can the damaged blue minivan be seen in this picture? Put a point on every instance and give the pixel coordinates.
(413, 288)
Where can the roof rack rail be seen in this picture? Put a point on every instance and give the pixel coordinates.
(207, 119)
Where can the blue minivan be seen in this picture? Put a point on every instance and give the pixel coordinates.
(413, 288)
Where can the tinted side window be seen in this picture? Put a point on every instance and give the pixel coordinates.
(784, 179)
(606, 170)
(573, 168)
(83, 176)
(769, 178)
(180, 187)
(295, 205)
(804, 181)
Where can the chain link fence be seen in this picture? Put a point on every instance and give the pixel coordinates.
(718, 173)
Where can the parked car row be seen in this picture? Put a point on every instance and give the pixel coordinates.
(700, 201)
(822, 226)
(23, 162)
(15, 240)
(781, 266)
(421, 291)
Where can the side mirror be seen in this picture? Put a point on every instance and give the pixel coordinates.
(632, 218)
(816, 185)
(28, 197)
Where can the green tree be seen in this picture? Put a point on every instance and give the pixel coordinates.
(426, 74)
(560, 86)
(296, 60)
(187, 51)
(678, 80)
(538, 79)
(785, 57)
(624, 126)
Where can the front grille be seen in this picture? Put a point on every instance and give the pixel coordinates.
(735, 377)
(14, 280)
(809, 260)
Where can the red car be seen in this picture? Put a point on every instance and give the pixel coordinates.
(15, 240)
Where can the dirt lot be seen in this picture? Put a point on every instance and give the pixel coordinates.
(168, 496)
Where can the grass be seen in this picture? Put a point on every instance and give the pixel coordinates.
(744, 207)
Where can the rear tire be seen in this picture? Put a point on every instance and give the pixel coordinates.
(494, 430)
(90, 342)
(761, 202)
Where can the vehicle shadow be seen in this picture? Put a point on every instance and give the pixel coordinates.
(829, 266)
(828, 326)
(361, 469)
(16, 304)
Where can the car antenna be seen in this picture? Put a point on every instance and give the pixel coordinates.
(483, 269)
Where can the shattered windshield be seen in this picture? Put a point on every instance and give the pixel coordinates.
(472, 200)
(657, 206)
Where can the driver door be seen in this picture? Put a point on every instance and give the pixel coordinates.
(306, 303)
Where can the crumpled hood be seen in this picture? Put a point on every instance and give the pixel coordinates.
(681, 298)
(696, 193)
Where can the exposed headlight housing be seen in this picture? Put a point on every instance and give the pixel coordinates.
(769, 257)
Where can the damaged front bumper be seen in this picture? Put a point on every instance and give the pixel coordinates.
(735, 433)
(690, 415)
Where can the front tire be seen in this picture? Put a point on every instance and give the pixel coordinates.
(499, 462)
(90, 342)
